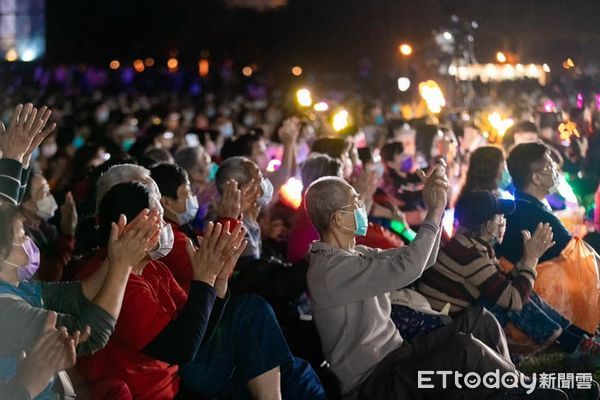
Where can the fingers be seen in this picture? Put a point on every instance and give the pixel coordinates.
(189, 248)
(114, 233)
(24, 117)
(40, 122)
(526, 236)
(50, 323)
(85, 335)
(30, 121)
(421, 174)
(14, 119)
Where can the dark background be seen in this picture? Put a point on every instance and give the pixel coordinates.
(329, 35)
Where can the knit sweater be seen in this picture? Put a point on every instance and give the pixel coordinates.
(466, 269)
(13, 180)
(351, 301)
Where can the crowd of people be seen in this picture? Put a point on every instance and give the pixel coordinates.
(169, 243)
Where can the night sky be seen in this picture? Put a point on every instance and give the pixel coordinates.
(326, 35)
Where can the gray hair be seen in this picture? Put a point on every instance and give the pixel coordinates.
(187, 157)
(319, 165)
(236, 168)
(323, 198)
(123, 173)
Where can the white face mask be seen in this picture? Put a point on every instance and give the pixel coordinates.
(48, 150)
(191, 209)
(46, 207)
(267, 192)
(165, 243)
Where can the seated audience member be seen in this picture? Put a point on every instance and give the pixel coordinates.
(349, 286)
(254, 147)
(487, 171)
(56, 246)
(303, 232)
(231, 353)
(256, 192)
(230, 373)
(201, 172)
(93, 303)
(400, 180)
(160, 325)
(467, 273)
(535, 175)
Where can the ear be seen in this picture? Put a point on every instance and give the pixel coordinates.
(535, 179)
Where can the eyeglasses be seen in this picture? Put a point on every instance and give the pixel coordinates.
(357, 204)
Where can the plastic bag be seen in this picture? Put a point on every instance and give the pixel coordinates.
(571, 284)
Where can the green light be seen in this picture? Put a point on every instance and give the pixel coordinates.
(403, 230)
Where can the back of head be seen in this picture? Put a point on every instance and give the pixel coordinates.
(187, 157)
(485, 166)
(240, 146)
(523, 160)
(128, 199)
(160, 155)
(319, 165)
(324, 197)
(333, 147)
(169, 178)
(121, 173)
(236, 168)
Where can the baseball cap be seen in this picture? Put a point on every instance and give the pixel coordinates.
(475, 208)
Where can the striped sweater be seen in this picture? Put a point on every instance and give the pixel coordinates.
(13, 181)
(466, 269)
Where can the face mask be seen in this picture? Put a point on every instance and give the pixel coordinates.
(46, 207)
(498, 233)
(553, 188)
(127, 143)
(506, 180)
(267, 193)
(226, 130)
(191, 209)
(78, 142)
(379, 120)
(165, 243)
(212, 171)
(407, 165)
(249, 121)
(49, 149)
(361, 220)
(26, 272)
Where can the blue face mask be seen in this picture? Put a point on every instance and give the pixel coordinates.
(127, 143)
(78, 142)
(361, 220)
(506, 180)
(212, 171)
(379, 120)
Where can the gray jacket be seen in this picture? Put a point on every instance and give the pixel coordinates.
(351, 302)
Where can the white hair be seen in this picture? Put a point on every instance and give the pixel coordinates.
(123, 173)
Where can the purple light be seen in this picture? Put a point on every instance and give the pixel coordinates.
(549, 106)
(598, 101)
(579, 100)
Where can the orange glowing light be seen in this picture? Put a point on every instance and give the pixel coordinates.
(297, 71)
(203, 67)
(138, 66)
(172, 63)
(114, 64)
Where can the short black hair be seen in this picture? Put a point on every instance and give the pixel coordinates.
(523, 160)
(168, 177)
(125, 198)
(333, 147)
(390, 150)
(239, 146)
